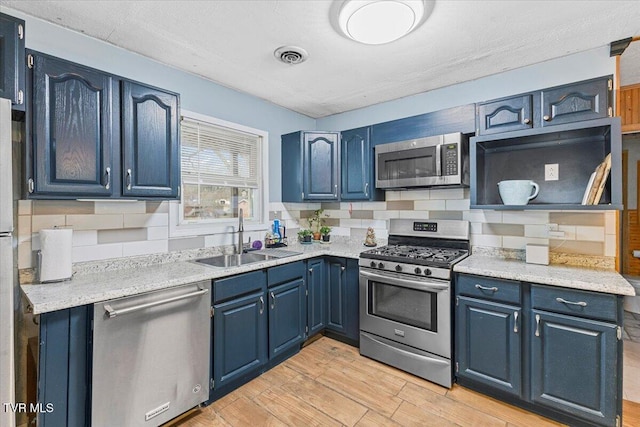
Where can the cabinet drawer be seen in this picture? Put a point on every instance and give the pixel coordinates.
(574, 302)
(241, 284)
(489, 288)
(285, 273)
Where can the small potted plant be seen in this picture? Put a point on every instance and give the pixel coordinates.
(317, 219)
(325, 233)
(305, 235)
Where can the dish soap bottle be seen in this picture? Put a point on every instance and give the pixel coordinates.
(276, 231)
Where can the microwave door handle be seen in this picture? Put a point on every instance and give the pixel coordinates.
(439, 160)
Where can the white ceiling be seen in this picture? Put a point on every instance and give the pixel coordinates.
(232, 43)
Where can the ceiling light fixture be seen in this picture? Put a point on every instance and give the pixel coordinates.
(379, 21)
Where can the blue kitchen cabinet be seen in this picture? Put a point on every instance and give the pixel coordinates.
(64, 367)
(489, 343)
(342, 299)
(357, 166)
(316, 296)
(287, 316)
(75, 150)
(12, 60)
(506, 114)
(150, 141)
(310, 166)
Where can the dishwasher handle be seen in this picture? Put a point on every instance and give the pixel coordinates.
(111, 312)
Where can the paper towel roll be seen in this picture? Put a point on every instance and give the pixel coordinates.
(55, 254)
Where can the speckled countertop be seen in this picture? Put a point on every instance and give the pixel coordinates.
(99, 286)
(589, 279)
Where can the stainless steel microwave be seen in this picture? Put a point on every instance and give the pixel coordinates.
(433, 161)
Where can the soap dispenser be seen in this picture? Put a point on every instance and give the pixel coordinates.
(276, 231)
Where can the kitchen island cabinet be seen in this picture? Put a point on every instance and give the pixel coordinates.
(550, 349)
(12, 60)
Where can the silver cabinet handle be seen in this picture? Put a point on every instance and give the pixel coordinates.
(564, 301)
(526, 121)
(261, 305)
(128, 179)
(366, 189)
(537, 325)
(335, 190)
(484, 288)
(310, 270)
(273, 300)
(546, 118)
(343, 268)
(108, 173)
(515, 322)
(111, 312)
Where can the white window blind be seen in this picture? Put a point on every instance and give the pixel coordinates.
(217, 155)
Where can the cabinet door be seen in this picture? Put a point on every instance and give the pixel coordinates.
(336, 301)
(239, 337)
(506, 115)
(574, 366)
(576, 102)
(317, 298)
(287, 316)
(73, 141)
(488, 341)
(320, 181)
(64, 367)
(356, 164)
(12, 63)
(151, 161)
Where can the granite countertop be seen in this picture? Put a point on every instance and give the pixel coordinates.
(95, 287)
(588, 279)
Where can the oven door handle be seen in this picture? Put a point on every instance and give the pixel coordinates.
(418, 283)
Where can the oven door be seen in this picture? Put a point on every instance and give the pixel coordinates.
(412, 310)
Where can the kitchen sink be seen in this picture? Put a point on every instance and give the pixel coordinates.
(234, 260)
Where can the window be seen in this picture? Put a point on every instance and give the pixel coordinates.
(223, 168)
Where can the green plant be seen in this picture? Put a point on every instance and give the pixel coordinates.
(304, 232)
(325, 230)
(317, 219)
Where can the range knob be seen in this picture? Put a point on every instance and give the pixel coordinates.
(417, 270)
(398, 268)
(373, 264)
(380, 265)
(427, 272)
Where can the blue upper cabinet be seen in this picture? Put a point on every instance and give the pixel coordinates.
(310, 166)
(12, 60)
(73, 152)
(150, 162)
(357, 166)
(505, 115)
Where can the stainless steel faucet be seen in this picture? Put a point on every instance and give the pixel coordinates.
(240, 231)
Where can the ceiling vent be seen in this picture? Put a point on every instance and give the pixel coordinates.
(291, 54)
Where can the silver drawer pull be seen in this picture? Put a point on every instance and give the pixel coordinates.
(111, 312)
(564, 301)
(537, 325)
(273, 300)
(108, 173)
(129, 179)
(261, 305)
(515, 322)
(484, 288)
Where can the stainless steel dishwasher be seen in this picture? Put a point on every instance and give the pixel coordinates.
(151, 356)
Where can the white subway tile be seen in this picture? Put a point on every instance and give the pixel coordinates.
(610, 220)
(340, 231)
(25, 255)
(95, 222)
(145, 220)
(430, 205)
(353, 223)
(38, 222)
(24, 228)
(97, 252)
(525, 217)
(356, 206)
(486, 240)
(610, 245)
(589, 233)
(120, 207)
(157, 233)
(479, 215)
(414, 214)
(519, 242)
(374, 206)
(145, 248)
(24, 207)
(475, 227)
(85, 238)
(415, 195)
(374, 223)
(219, 240)
(447, 193)
(569, 232)
(392, 195)
(536, 230)
(458, 205)
(386, 214)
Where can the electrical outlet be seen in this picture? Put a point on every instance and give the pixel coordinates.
(551, 172)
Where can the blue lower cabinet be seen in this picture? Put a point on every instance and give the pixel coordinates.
(316, 296)
(64, 367)
(574, 366)
(488, 344)
(239, 338)
(287, 316)
(337, 298)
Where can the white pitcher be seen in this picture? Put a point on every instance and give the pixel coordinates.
(517, 191)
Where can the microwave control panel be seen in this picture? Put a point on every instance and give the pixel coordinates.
(450, 159)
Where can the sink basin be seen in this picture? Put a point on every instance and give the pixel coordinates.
(234, 260)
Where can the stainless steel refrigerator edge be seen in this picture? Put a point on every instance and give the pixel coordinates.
(7, 265)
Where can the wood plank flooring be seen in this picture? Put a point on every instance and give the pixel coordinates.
(329, 384)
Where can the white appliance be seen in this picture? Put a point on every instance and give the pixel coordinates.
(8, 285)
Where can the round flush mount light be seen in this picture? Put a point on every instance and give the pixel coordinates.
(379, 21)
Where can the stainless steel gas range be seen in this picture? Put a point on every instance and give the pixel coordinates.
(405, 296)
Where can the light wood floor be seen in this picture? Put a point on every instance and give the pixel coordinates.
(329, 384)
